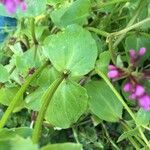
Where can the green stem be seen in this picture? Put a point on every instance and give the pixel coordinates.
(140, 6)
(12, 70)
(98, 31)
(75, 134)
(131, 27)
(128, 128)
(111, 49)
(46, 100)
(123, 103)
(144, 137)
(109, 138)
(33, 31)
(15, 100)
(101, 5)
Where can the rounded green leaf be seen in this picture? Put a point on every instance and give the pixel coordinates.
(73, 50)
(103, 102)
(67, 105)
(63, 146)
(4, 75)
(77, 13)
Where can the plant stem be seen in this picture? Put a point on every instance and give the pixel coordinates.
(144, 137)
(111, 49)
(101, 5)
(123, 103)
(109, 138)
(12, 70)
(140, 6)
(15, 100)
(131, 27)
(98, 31)
(46, 98)
(33, 31)
(128, 128)
(75, 134)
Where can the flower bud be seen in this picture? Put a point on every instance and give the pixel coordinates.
(144, 102)
(113, 74)
(139, 90)
(127, 87)
(112, 67)
(142, 51)
(133, 54)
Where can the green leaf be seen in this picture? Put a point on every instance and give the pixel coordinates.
(67, 105)
(33, 100)
(47, 77)
(38, 5)
(5, 145)
(4, 75)
(6, 134)
(103, 102)
(27, 61)
(136, 42)
(73, 50)
(103, 61)
(76, 12)
(127, 134)
(64, 146)
(19, 143)
(55, 2)
(7, 94)
(143, 117)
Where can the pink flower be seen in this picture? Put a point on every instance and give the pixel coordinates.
(127, 87)
(133, 53)
(113, 74)
(112, 67)
(11, 5)
(144, 102)
(132, 96)
(134, 77)
(139, 90)
(135, 56)
(142, 51)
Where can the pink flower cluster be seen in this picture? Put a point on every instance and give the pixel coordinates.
(11, 5)
(137, 92)
(132, 86)
(136, 56)
(114, 72)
